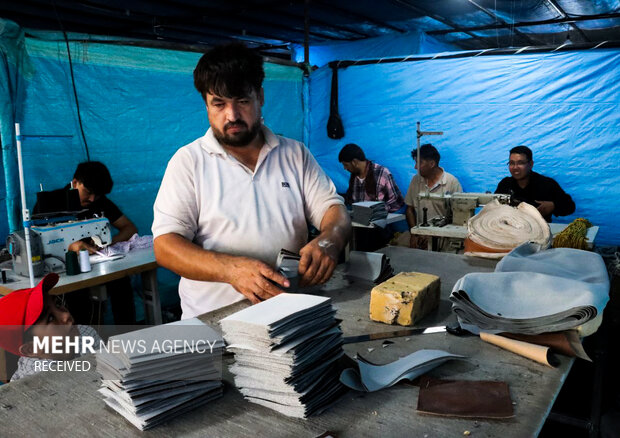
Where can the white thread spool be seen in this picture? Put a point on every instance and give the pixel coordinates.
(84, 260)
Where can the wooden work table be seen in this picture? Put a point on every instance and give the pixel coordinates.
(68, 404)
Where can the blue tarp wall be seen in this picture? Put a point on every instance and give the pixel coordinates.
(564, 106)
(138, 106)
(386, 46)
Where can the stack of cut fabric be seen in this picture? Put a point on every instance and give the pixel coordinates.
(499, 228)
(369, 211)
(287, 264)
(153, 375)
(533, 291)
(372, 266)
(286, 352)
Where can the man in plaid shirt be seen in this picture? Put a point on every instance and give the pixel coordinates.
(369, 181)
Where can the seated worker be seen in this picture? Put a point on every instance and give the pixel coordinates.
(369, 181)
(431, 178)
(525, 185)
(27, 313)
(93, 181)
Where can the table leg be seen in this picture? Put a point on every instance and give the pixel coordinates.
(152, 304)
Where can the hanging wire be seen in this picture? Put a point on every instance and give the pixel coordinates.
(77, 102)
(497, 29)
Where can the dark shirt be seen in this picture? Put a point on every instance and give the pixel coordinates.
(539, 188)
(101, 205)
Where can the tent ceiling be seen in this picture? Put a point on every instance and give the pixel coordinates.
(271, 25)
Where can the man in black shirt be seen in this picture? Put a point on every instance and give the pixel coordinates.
(93, 182)
(542, 192)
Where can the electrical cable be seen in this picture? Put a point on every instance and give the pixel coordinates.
(77, 102)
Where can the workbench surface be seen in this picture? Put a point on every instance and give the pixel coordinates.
(68, 403)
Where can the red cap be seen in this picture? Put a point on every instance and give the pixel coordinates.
(19, 310)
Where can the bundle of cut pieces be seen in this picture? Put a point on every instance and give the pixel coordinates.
(152, 375)
(287, 351)
(366, 212)
(533, 291)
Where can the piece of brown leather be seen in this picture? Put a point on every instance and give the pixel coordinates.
(465, 398)
(557, 341)
(471, 246)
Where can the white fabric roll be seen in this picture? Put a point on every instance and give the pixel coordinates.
(500, 228)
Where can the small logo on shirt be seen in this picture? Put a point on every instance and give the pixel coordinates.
(285, 184)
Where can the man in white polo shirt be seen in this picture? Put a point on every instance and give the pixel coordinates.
(230, 200)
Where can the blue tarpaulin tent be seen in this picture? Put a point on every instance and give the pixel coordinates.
(138, 106)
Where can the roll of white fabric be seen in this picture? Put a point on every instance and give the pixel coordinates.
(499, 228)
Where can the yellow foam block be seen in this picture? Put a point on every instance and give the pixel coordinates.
(405, 298)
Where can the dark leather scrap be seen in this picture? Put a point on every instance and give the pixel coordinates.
(465, 398)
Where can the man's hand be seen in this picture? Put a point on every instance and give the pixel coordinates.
(251, 277)
(546, 207)
(80, 245)
(416, 241)
(318, 261)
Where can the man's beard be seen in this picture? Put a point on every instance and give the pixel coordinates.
(241, 138)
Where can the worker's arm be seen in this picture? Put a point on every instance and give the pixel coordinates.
(79, 245)
(320, 256)
(415, 241)
(125, 228)
(248, 276)
(560, 204)
(410, 215)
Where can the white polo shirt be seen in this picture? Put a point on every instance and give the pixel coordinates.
(436, 207)
(213, 200)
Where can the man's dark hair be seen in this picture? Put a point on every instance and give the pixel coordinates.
(351, 152)
(523, 150)
(95, 177)
(427, 152)
(230, 70)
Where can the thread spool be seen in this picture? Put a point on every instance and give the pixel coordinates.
(71, 260)
(84, 261)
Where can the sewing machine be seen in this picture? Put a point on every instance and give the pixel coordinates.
(463, 205)
(454, 228)
(49, 243)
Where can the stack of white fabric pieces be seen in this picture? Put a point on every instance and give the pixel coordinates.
(286, 353)
(369, 211)
(533, 291)
(153, 375)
